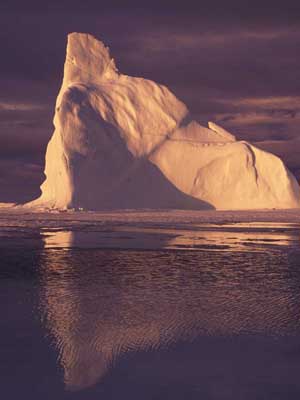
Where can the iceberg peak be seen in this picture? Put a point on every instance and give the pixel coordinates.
(87, 59)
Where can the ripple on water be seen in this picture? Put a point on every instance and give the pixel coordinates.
(102, 304)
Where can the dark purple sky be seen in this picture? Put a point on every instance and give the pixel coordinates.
(233, 62)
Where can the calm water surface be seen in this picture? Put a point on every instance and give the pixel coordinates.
(176, 312)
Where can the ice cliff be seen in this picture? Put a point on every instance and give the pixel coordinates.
(125, 142)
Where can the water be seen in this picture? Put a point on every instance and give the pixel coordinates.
(122, 310)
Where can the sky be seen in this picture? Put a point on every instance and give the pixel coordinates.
(233, 62)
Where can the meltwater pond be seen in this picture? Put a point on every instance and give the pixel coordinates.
(148, 308)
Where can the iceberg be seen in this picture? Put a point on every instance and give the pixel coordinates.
(124, 142)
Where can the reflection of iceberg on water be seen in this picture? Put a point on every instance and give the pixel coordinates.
(99, 305)
(117, 239)
(236, 237)
(59, 239)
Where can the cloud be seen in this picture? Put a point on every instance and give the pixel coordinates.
(7, 106)
(277, 116)
(271, 103)
(164, 40)
(249, 118)
(263, 116)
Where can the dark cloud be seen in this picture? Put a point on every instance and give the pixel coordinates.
(19, 180)
(232, 9)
